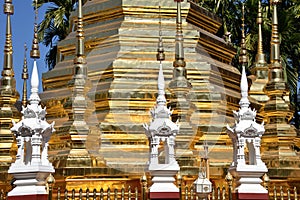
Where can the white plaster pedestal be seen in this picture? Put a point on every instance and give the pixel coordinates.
(163, 186)
(249, 182)
(30, 181)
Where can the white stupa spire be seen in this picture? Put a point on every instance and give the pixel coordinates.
(32, 132)
(247, 166)
(243, 59)
(162, 129)
(34, 98)
(244, 102)
(161, 99)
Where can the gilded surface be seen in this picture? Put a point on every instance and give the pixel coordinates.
(278, 152)
(102, 141)
(120, 43)
(8, 99)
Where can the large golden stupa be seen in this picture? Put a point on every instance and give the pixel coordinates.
(120, 43)
(100, 139)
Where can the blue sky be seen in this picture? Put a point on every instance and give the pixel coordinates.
(22, 29)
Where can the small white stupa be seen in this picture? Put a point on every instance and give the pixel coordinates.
(32, 167)
(33, 132)
(247, 166)
(162, 130)
(161, 133)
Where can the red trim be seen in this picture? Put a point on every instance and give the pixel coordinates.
(164, 195)
(29, 197)
(251, 196)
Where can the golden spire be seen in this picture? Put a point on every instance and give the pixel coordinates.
(35, 51)
(243, 59)
(80, 75)
(259, 68)
(8, 97)
(80, 60)
(8, 72)
(179, 52)
(260, 56)
(161, 99)
(180, 88)
(275, 43)
(279, 134)
(160, 50)
(25, 77)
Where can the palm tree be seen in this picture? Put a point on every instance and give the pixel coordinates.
(289, 26)
(55, 26)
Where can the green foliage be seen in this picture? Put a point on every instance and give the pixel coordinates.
(289, 31)
(55, 26)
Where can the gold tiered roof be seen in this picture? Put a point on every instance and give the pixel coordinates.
(120, 46)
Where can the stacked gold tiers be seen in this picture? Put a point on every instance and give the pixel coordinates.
(121, 42)
(8, 103)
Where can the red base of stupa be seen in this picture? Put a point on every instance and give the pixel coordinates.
(164, 195)
(250, 196)
(29, 197)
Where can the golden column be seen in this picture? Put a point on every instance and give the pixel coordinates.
(243, 58)
(278, 139)
(79, 134)
(180, 103)
(77, 105)
(8, 99)
(25, 77)
(259, 68)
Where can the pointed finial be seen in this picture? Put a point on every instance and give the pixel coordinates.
(205, 146)
(35, 51)
(80, 60)
(160, 50)
(8, 48)
(243, 59)
(228, 177)
(25, 77)
(202, 173)
(179, 51)
(244, 102)
(260, 56)
(206, 158)
(34, 98)
(144, 177)
(161, 99)
(202, 169)
(275, 42)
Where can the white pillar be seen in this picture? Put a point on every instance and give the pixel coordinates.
(36, 148)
